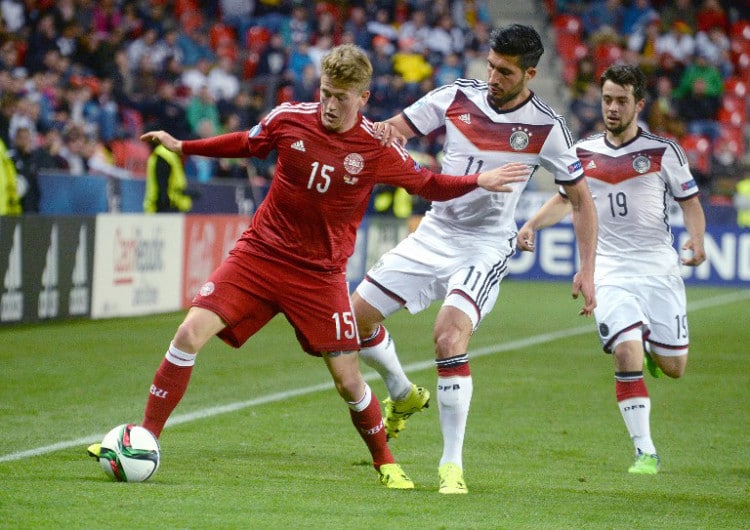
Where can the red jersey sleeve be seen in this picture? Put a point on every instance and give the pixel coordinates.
(440, 187)
(231, 145)
(257, 142)
(398, 168)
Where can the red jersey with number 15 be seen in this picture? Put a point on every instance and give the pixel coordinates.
(322, 183)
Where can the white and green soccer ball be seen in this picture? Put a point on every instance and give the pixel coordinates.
(129, 453)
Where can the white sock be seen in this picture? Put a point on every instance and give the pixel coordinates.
(454, 398)
(359, 406)
(636, 412)
(383, 358)
(176, 356)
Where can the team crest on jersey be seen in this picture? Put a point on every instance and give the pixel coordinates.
(641, 164)
(519, 139)
(603, 330)
(354, 163)
(206, 289)
(255, 131)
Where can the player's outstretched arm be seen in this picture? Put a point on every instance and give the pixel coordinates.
(163, 138)
(501, 178)
(695, 223)
(550, 213)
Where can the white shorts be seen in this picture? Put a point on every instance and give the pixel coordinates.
(416, 273)
(648, 308)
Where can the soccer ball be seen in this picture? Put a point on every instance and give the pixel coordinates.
(129, 453)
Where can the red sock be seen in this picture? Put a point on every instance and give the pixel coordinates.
(369, 424)
(376, 338)
(630, 389)
(170, 383)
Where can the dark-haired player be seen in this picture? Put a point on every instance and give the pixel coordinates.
(460, 252)
(640, 291)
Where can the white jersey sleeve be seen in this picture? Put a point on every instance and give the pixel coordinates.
(428, 113)
(558, 156)
(677, 173)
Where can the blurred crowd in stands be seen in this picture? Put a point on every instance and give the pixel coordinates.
(80, 80)
(696, 54)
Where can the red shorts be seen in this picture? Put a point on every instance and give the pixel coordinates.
(247, 291)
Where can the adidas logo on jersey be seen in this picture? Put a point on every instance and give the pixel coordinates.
(299, 146)
(466, 118)
(591, 165)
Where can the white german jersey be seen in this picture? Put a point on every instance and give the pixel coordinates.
(630, 185)
(479, 137)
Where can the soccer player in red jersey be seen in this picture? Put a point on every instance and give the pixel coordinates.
(292, 258)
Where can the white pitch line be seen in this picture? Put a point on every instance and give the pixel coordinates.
(413, 367)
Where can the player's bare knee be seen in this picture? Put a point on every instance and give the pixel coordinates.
(349, 388)
(187, 337)
(366, 328)
(448, 344)
(453, 329)
(368, 318)
(344, 368)
(367, 322)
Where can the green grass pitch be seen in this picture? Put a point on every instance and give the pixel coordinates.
(262, 440)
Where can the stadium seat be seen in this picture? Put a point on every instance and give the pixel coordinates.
(567, 23)
(250, 65)
(732, 103)
(570, 48)
(550, 8)
(731, 118)
(698, 150)
(257, 38)
(740, 55)
(220, 35)
(605, 55)
(740, 30)
(732, 140)
(131, 155)
(284, 94)
(327, 7)
(736, 86)
(185, 6)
